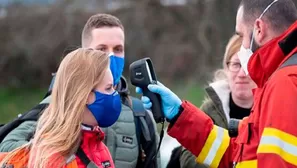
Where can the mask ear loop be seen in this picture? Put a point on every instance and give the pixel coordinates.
(252, 41)
(114, 93)
(265, 10)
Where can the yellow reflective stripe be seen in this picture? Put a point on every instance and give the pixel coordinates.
(279, 151)
(247, 164)
(214, 147)
(280, 143)
(221, 150)
(291, 139)
(211, 138)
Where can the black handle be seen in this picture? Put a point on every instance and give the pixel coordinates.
(142, 74)
(156, 105)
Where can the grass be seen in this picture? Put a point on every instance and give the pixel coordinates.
(16, 101)
(194, 94)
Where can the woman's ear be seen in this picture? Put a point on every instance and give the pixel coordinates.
(91, 98)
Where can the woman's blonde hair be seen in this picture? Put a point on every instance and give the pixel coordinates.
(58, 131)
(232, 48)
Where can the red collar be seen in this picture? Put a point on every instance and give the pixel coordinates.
(269, 57)
(92, 132)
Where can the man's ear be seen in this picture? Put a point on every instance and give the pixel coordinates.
(260, 31)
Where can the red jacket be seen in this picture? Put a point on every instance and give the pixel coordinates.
(92, 146)
(269, 137)
(95, 149)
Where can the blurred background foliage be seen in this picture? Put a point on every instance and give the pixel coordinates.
(184, 38)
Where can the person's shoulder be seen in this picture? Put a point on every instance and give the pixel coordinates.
(136, 105)
(28, 124)
(286, 76)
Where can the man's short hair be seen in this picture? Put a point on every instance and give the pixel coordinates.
(98, 21)
(280, 15)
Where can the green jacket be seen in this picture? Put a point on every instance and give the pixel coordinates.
(18, 137)
(215, 105)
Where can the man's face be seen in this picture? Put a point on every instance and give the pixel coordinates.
(242, 29)
(260, 31)
(108, 39)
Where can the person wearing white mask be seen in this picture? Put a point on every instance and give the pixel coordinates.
(267, 138)
(229, 96)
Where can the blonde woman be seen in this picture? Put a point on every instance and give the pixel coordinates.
(68, 133)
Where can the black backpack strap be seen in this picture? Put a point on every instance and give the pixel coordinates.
(31, 115)
(85, 159)
(289, 62)
(146, 131)
(139, 114)
(34, 113)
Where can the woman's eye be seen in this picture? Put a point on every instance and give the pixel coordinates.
(238, 65)
(109, 89)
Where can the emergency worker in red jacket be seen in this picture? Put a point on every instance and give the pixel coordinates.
(268, 137)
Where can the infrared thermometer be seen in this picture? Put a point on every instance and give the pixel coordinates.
(142, 74)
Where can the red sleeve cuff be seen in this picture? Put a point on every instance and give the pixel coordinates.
(191, 128)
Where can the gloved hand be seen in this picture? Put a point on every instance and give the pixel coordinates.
(170, 102)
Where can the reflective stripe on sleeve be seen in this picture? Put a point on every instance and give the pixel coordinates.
(247, 164)
(214, 148)
(280, 143)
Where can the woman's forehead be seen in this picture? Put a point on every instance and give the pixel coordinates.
(234, 57)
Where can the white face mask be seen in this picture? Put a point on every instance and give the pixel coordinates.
(245, 54)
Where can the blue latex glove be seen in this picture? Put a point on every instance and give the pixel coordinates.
(170, 101)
